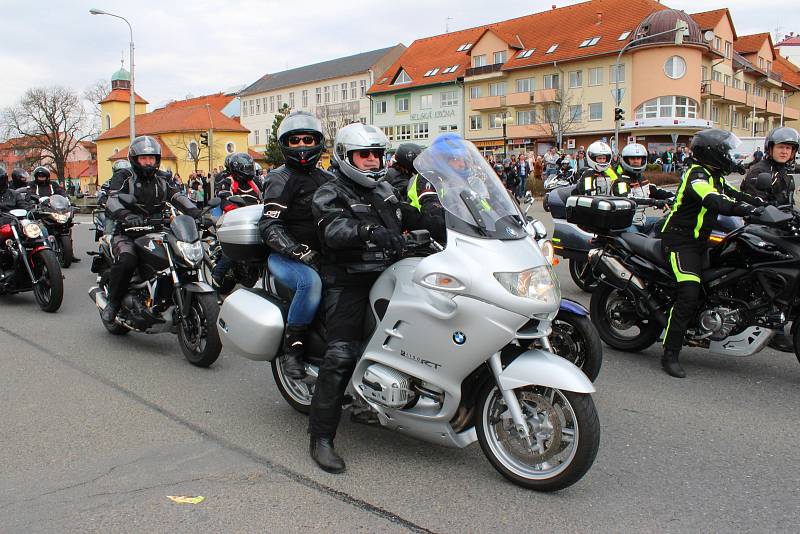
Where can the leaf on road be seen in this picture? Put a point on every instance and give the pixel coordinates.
(183, 499)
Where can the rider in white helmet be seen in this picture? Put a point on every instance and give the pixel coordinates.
(594, 181)
(633, 184)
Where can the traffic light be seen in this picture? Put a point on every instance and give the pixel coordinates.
(204, 138)
(619, 114)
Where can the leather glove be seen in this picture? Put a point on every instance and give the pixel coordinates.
(742, 209)
(131, 220)
(660, 204)
(386, 239)
(305, 255)
(758, 201)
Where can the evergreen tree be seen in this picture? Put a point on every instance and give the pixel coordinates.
(273, 151)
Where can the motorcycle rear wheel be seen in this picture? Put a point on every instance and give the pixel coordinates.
(613, 313)
(298, 393)
(582, 275)
(564, 428)
(199, 339)
(48, 288)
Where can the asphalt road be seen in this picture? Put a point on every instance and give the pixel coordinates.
(96, 431)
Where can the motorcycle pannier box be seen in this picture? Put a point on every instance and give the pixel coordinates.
(237, 232)
(251, 323)
(601, 214)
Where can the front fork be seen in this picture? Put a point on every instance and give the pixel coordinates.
(510, 398)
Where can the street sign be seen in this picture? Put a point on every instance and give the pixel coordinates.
(617, 97)
(674, 138)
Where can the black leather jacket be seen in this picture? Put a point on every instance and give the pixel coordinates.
(782, 192)
(399, 180)
(150, 196)
(46, 189)
(11, 200)
(344, 211)
(287, 221)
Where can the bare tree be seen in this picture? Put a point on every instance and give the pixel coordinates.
(52, 119)
(564, 115)
(189, 147)
(335, 116)
(93, 95)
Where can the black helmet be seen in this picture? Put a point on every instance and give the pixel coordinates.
(781, 136)
(120, 164)
(714, 148)
(40, 172)
(299, 123)
(19, 176)
(144, 145)
(405, 155)
(240, 166)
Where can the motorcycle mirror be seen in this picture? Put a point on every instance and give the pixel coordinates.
(18, 213)
(764, 181)
(215, 202)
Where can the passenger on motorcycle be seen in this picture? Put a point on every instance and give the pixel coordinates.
(780, 150)
(702, 195)
(633, 184)
(42, 186)
(595, 181)
(360, 221)
(9, 198)
(19, 179)
(151, 191)
(240, 181)
(402, 171)
(290, 230)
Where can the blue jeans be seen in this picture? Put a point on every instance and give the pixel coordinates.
(222, 266)
(649, 223)
(523, 185)
(306, 284)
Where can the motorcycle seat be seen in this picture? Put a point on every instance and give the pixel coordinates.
(645, 246)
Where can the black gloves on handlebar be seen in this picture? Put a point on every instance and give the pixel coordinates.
(132, 220)
(742, 209)
(304, 254)
(758, 202)
(386, 239)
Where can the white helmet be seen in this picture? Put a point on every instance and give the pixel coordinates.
(354, 137)
(598, 148)
(633, 150)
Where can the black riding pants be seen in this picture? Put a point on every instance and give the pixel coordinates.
(686, 261)
(121, 272)
(345, 308)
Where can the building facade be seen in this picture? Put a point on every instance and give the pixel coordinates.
(335, 91)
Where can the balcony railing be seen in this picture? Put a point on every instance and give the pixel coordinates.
(775, 76)
(486, 69)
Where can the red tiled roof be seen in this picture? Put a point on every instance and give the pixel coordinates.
(788, 70)
(257, 156)
(790, 40)
(217, 101)
(538, 31)
(122, 95)
(166, 120)
(708, 19)
(166, 153)
(750, 44)
(80, 169)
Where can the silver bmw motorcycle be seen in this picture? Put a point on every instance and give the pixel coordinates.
(456, 349)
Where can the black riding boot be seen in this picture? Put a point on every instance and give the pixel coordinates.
(322, 452)
(294, 350)
(671, 365)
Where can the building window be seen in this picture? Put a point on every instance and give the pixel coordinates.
(425, 101)
(388, 131)
(403, 132)
(255, 132)
(526, 117)
(334, 93)
(596, 76)
(449, 99)
(344, 91)
(230, 147)
(747, 87)
(475, 122)
(613, 72)
(326, 94)
(380, 107)
(464, 47)
(551, 49)
(596, 111)
(728, 80)
(714, 114)
(526, 85)
(108, 121)
(353, 90)
(589, 42)
(551, 81)
(475, 92)
(402, 78)
(401, 103)
(575, 113)
(769, 66)
(669, 107)
(717, 43)
(728, 47)
(363, 86)
(500, 57)
(258, 106)
(264, 104)
(624, 35)
(432, 72)
(450, 70)
(291, 100)
(421, 130)
(575, 79)
(192, 151)
(279, 98)
(318, 91)
(497, 89)
(737, 83)
(703, 73)
(272, 104)
(526, 53)
(479, 61)
(716, 75)
(675, 67)
(495, 121)
(304, 98)
(252, 106)
(735, 119)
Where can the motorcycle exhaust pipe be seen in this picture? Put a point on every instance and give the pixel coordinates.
(98, 296)
(622, 278)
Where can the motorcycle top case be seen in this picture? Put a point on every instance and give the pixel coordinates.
(238, 233)
(251, 323)
(601, 214)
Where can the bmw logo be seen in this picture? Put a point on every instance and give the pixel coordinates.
(459, 338)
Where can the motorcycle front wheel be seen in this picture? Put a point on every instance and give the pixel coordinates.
(298, 393)
(197, 332)
(48, 286)
(575, 339)
(564, 430)
(582, 275)
(613, 313)
(65, 251)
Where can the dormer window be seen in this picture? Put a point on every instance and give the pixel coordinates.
(500, 57)
(431, 72)
(552, 49)
(464, 47)
(526, 53)
(402, 78)
(450, 70)
(589, 42)
(623, 36)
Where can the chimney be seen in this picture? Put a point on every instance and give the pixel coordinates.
(553, 6)
(599, 17)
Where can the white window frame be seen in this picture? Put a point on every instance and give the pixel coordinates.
(669, 107)
(595, 76)
(425, 101)
(551, 81)
(474, 92)
(464, 47)
(272, 104)
(503, 56)
(449, 99)
(402, 78)
(495, 121)
(624, 35)
(380, 107)
(353, 90)
(420, 130)
(304, 98)
(576, 113)
(475, 122)
(258, 106)
(363, 88)
(403, 132)
(576, 79)
(522, 82)
(526, 53)
(255, 132)
(526, 117)
(479, 61)
(343, 89)
(497, 89)
(593, 107)
(399, 103)
(672, 73)
(552, 49)
(613, 71)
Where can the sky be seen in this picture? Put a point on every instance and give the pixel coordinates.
(198, 47)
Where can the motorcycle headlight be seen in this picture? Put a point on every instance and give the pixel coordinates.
(191, 252)
(60, 218)
(548, 250)
(32, 230)
(539, 283)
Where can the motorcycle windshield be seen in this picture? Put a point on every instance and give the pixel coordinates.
(185, 229)
(59, 203)
(469, 190)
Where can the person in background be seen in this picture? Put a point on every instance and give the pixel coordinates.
(523, 172)
(551, 162)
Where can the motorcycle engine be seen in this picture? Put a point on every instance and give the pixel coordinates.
(386, 386)
(718, 323)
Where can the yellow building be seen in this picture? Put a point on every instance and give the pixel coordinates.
(177, 128)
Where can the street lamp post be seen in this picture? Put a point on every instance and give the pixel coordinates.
(505, 120)
(94, 11)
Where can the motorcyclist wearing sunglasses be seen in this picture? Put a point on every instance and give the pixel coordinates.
(291, 231)
(361, 221)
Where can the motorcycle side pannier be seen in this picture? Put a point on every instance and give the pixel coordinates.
(239, 235)
(601, 214)
(251, 323)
